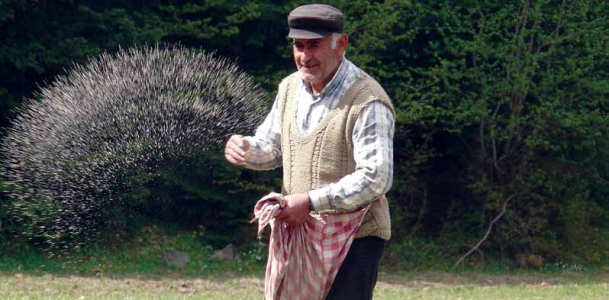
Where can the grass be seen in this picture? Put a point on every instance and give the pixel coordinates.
(20, 286)
(473, 285)
(134, 270)
(407, 285)
(141, 255)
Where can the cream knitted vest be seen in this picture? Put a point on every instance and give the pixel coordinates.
(325, 155)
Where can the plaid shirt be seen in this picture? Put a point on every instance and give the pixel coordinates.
(372, 143)
(304, 260)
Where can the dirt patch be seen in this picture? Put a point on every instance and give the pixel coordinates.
(18, 285)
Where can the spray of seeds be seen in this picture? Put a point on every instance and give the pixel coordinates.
(71, 152)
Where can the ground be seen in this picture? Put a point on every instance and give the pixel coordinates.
(405, 285)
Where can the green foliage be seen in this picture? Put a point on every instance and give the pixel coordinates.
(497, 104)
(9, 227)
(498, 101)
(60, 34)
(42, 38)
(210, 196)
(6, 221)
(141, 254)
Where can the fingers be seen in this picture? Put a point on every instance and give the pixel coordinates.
(234, 157)
(245, 145)
(282, 215)
(287, 215)
(235, 150)
(239, 142)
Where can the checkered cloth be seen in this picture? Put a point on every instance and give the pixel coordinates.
(303, 261)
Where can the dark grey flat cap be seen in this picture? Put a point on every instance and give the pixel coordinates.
(315, 21)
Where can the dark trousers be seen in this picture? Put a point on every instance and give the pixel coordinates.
(357, 275)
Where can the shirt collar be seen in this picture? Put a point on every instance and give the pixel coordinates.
(333, 84)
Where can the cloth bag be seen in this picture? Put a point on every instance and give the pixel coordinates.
(304, 260)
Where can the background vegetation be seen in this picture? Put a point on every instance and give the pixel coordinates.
(502, 110)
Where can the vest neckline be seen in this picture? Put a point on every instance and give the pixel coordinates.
(348, 96)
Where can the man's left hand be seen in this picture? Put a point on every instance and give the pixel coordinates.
(297, 211)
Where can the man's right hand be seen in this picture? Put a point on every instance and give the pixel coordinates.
(235, 150)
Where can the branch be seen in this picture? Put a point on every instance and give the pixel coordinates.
(482, 139)
(495, 154)
(488, 231)
(420, 217)
(494, 143)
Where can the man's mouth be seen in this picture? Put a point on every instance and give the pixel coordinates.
(310, 66)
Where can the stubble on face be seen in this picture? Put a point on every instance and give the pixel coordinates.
(316, 61)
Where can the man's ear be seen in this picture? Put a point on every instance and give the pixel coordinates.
(343, 43)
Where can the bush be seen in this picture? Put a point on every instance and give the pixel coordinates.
(212, 197)
(499, 102)
(495, 100)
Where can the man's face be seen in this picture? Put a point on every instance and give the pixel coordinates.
(317, 61)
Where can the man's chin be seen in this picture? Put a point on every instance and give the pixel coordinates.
(309, 78)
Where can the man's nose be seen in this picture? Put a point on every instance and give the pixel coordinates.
(306, 55)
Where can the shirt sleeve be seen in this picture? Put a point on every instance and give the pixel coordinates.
(373, 154)
(265, 146)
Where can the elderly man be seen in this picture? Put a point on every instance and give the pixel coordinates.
(331, 128)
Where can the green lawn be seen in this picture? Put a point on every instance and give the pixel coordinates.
(135, 270)
(566, 285)
(410, 285)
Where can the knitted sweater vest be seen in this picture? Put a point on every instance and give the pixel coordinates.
(325, 155)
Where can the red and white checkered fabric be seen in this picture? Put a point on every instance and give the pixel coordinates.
(303, 261)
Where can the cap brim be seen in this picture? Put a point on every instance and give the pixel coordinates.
(308, 34)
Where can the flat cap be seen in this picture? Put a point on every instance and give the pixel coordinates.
(315, 21)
